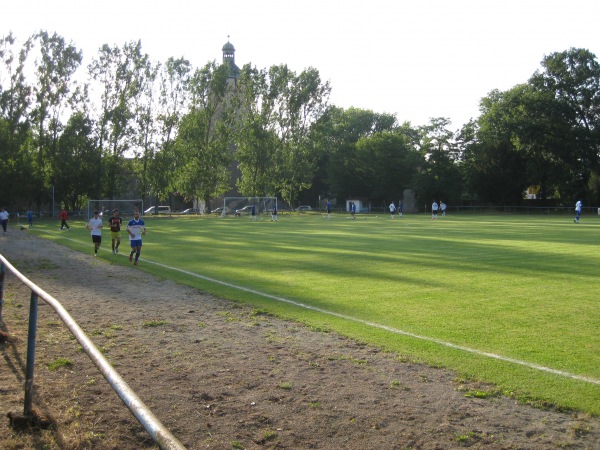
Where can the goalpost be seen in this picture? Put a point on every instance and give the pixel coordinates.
(105, 207)
(264, 205)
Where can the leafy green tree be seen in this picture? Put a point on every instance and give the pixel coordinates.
(77, 167)
(122, 75)
(494, 169)
(439, 176)
(386, 164)
(301, 101)
(54, 93)
(256, 141)
(157, 168)
(277, 111)
(16, 140)
(336, 135)
(572, 80)
(203, 149)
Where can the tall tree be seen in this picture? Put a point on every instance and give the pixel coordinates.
(276, 112)
(157, 163)
(256, 141)
(495, 170)
(54, 91)
(203, 147)
(572, 78)
(18, 175)
(336, 135)
(78, 163)
(386, 164)
(297, 102)
(439, 176)
(121, 74)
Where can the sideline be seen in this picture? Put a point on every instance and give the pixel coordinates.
(361, 321)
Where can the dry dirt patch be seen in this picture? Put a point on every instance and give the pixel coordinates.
(223, 375)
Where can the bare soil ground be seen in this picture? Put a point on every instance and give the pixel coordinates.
(220, 375)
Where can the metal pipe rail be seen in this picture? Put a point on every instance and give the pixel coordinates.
(161, 435)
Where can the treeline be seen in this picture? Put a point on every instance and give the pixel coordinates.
(128, 126)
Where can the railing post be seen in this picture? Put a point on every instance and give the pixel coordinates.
(33, 312)
(2, 272)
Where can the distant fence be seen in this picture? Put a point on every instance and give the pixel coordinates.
(147, 419)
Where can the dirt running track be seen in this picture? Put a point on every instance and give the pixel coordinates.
(219, 375)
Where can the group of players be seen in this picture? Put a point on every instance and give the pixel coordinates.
(135, 229)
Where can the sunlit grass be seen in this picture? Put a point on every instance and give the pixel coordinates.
(521, 287)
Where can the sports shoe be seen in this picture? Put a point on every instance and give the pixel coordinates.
(130, 257)
(135, 263)
(117, 250)
(113, 252)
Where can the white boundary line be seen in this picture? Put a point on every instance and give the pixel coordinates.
(373, 324)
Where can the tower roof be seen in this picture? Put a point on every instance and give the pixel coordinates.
(229, 58)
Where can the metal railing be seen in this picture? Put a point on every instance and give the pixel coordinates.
(147, 419)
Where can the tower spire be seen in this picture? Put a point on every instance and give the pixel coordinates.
(229, 58)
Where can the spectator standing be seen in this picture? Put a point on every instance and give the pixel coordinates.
(274, 214)
(4, 219)
(95, 226)
(63, 217)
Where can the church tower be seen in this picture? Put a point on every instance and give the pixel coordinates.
(229, 59)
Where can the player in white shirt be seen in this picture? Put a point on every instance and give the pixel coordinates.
(95, 225)
(135, 228)
(392, 209)
(578, 206)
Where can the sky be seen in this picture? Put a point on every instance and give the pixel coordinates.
(416, 59)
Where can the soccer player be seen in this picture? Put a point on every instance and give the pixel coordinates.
(434, 210)
(578, 206)
(136, 227)
(115, 223)
(392, 209)
(95, 225)
(443, 208)
(328, 207)
(253, 213)
(274, 214)
(30, 218)
(353, 210)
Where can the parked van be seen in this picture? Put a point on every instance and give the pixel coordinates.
(158, 210)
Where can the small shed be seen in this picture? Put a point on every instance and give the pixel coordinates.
(361, 205)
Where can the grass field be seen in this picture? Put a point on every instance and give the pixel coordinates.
(508, 299)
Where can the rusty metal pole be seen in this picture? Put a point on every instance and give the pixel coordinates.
(33, 312)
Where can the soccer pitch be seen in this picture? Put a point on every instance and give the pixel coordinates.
(507, 299)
